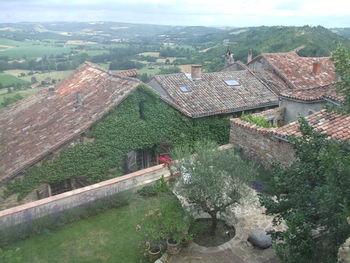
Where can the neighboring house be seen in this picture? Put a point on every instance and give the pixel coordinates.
(303, 102)
(128, 73)
(268, 145)
(38, 126)
(297, 72)
(307, 81)
(93, 126)
(200, 94)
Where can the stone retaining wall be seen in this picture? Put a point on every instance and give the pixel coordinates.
(78, 197)
(260, 145)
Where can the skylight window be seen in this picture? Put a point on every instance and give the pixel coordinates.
(185, 89)
(232, 82)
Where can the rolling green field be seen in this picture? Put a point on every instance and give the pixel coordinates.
(7, 80)
(107, 237)
(24, 93)
(29, 49)
(58, 75)
(150, 54)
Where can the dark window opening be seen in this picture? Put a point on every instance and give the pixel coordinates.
(61, 187)
(140, 159)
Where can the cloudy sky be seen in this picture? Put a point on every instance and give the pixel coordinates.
(328, 13)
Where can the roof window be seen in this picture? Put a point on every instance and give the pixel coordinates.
(185, 89)
(232, 82)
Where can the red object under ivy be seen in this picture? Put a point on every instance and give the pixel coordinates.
(165, 160)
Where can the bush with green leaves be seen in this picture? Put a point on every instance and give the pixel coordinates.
(160, 186)
(258, 121)
(212, 180)
(312, 197)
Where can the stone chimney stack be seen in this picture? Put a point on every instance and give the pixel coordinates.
(229, 60)
(250, 55)
(196, 72)
(316, 68)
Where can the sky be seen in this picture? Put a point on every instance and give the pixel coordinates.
(237, 13)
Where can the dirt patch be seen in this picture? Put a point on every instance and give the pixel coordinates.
(201, 230)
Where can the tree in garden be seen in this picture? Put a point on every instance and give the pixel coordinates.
(312, 196)
(341, 56)
(212, 179)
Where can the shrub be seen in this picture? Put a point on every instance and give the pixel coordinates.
(259, 121)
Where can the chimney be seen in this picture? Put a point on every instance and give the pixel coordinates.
(78, 100)
(52, 92)
(196, 72)
(316, 68)
(229, 60)
(250, 55)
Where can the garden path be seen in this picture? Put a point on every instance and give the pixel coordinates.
(247, 217)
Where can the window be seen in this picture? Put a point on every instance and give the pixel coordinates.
(185, 89)
(232, 82)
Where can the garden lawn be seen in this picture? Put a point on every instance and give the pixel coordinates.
(107, 237)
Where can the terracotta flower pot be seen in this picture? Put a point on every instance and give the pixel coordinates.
(173, 247)
(155, 252)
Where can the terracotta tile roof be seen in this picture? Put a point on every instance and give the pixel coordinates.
(128, 73)
(337, 126)
(271, 80)
(211, 95)
(314, 94)
(40, 124)
(298, 71)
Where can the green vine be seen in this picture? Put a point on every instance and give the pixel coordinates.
(121, 131)
(258, 121)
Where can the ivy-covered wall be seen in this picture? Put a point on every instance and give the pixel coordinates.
(142, 121)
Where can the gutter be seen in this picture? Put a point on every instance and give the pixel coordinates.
(333, 102)
(280, 138)
(303, 101)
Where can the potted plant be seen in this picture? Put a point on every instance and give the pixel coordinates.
(152, 231)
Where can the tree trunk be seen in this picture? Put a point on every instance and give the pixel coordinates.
(214, 222)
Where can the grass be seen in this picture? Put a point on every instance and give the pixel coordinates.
(8, 80)
(107, 237)
(23, 93)
(58, 75)
(30, 49)
(149, 71)
(150, 54)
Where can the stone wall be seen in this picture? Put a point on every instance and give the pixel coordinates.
(78, 197)
(259, 144)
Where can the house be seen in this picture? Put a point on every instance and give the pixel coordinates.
(45, 123)
(297, 72)
(199, 95)
(303, 102)
(268, 145)
(93, 126)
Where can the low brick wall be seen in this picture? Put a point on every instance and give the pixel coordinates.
(78, 197)
(259, 144)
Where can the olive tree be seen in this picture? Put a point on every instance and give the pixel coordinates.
(212, 179)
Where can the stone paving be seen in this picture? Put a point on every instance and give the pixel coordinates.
(247, 217)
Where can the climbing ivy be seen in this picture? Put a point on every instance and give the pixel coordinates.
(142, 121)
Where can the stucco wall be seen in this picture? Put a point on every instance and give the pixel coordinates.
(260, 146)
(295, 109)
(81, 196)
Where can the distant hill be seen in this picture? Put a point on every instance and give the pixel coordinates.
(186, 45)
(345, 31)
(307, 41)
